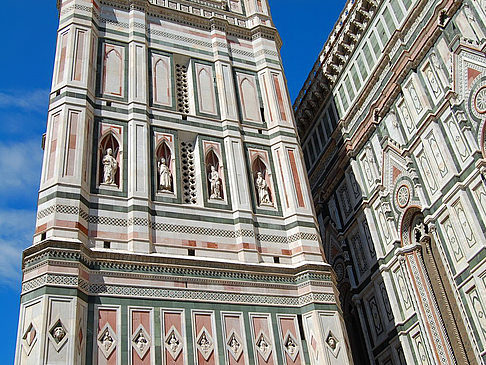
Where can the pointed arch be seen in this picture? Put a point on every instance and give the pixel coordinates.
(164, 156)
(162, 84)
(249, 99)
(212, 159)
(259, 166)
(207, 102)
(113, 72)
(109, 141)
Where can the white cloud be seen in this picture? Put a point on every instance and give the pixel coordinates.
(36, 100)
(20, 165)
(16, 230)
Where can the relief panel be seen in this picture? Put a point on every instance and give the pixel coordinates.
(262, 339)
(174, 347)
(235, 339)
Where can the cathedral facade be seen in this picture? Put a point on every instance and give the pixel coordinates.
(392, 123)
(175, 223)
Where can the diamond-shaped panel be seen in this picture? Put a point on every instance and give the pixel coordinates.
(205, 344)
(58, 334)
(107, 340)
(141, 341)
(174, 343)
(291, 346)
(234, 344)
(263, 346)
(29, 338)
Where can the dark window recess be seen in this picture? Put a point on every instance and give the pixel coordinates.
(58, 92)
(43, 236)
(262, 111)
(191, 252)
(107, 244)
(108, 103)
(301, 326)
(260, 131)
(276, 260)
(184, 117)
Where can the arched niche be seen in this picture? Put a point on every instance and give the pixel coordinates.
(162, 85)
(214, 174)
(249, 100)
(264, 193)
(109, 143)
(165, 168)
(113, 73)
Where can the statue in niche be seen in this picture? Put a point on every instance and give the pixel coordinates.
(165, 176)
(110, 166)
(262, 187)
(215, 184)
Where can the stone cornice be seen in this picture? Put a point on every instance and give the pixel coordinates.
(210, 17)
(346, 35)
(157, 264)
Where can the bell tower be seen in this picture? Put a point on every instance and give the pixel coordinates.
(175, 223)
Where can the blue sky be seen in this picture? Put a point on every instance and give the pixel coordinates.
(29, 37)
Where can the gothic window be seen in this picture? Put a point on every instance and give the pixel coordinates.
(113, 72)
(165, 181)
(109, 161)
(261, 180)
(162, 81)
(214, 176)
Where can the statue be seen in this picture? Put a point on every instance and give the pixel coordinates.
(59, 334)
(204, 343)
(331, 341)
(141, 342)
(263, 346)
(107, 341)
(165, 176)
(234, 345)
(291, 347)
(173, 343)
(215, 184)
(110, 166)
(262, 188)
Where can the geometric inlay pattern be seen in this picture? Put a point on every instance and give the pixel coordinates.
(107, 340)
(29, 338)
